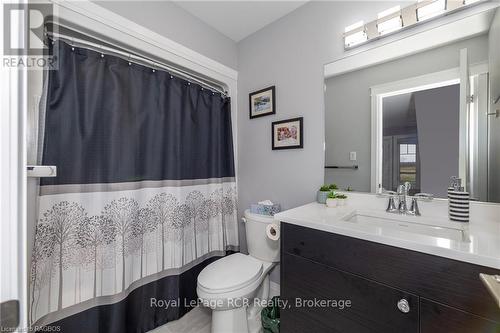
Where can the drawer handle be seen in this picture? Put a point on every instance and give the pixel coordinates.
(403, 306)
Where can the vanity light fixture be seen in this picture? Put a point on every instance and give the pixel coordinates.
(355, 34)
(397, 18)
(427, 9)
(389, 20)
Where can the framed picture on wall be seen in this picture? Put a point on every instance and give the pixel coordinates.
(262, 102)
(288, 134)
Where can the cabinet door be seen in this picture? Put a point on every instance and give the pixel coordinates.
(435, 317)
(373, 306)
(442, 280)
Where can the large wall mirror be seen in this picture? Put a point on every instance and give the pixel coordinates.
(420, 117)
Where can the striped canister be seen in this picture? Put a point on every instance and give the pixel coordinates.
(458, 205)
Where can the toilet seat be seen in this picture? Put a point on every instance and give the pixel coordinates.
(230, 273)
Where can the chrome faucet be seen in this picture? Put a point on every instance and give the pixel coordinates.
(401, 195)
(403, 191)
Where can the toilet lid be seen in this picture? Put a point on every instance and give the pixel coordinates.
(230, 273)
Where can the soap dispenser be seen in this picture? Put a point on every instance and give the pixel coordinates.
(458, 201)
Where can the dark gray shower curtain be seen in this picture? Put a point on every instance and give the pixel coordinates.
(144, 198)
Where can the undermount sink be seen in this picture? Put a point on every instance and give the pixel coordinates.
(386, 223)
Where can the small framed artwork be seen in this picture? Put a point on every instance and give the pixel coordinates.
(288, 134)
(262, 102)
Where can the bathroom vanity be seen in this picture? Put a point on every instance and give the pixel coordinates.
(402, 116)
(395, 281)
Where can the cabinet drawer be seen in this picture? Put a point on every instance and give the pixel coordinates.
(443, 280)
(436, 317)
(373, 305)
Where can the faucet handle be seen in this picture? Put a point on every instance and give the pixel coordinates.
(391, 205)
(414, 210)
(423, 196)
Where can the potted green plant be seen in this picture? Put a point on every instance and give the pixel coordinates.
(331, 200)
(341, 199)
(322, 194)
(333, 187)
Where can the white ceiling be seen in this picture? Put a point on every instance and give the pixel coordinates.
(239, 19)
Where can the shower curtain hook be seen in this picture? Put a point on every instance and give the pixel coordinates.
(129, 58)
(72, 44)
(102, 53)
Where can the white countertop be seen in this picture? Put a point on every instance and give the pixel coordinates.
(483, 232)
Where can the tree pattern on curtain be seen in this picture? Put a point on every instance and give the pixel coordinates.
(144, 197)
(75, 252)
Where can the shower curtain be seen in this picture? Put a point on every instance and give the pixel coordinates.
(144, 198)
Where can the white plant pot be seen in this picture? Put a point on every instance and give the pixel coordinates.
(341, 202)
(332, 203)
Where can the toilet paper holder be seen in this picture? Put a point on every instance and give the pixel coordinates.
(273, 231)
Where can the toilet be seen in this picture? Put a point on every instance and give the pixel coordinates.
(234, 286)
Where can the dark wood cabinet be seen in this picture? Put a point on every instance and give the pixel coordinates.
(435, 317)
(356, 304)
(443, 295)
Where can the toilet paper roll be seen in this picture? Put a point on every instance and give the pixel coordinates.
(273, 231)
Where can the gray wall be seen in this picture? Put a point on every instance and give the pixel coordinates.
(171, 21)
(348, 109)
(438, 137)
(494, 123)
(290, 53)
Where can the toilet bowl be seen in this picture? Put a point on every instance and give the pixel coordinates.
(236, 287)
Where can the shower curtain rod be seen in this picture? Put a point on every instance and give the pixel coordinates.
(129, 55)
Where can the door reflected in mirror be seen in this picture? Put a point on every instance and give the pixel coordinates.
(420, 139)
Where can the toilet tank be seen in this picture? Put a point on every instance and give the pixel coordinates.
(258, 244)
